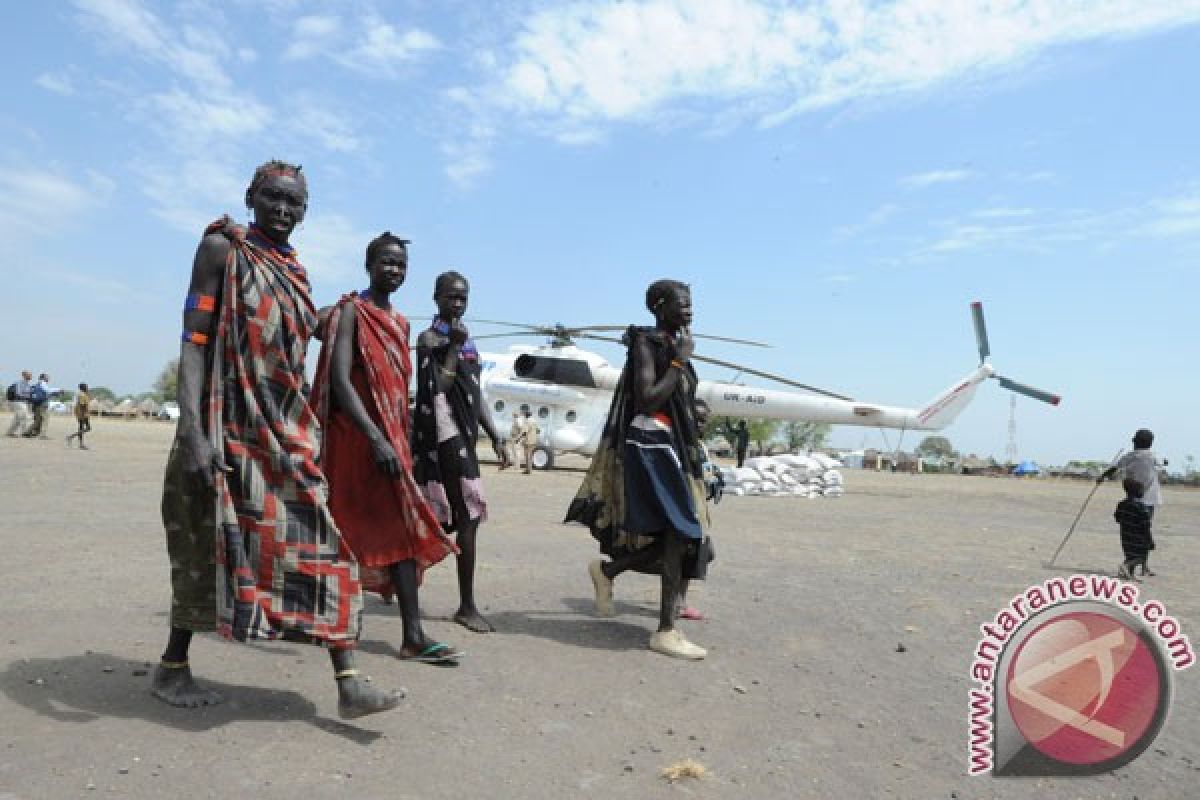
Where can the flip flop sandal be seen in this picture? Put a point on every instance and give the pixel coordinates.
(436, 653)
(692, 614)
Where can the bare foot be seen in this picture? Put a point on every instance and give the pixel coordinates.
(176, 687)
(472, 620)
(358, 699)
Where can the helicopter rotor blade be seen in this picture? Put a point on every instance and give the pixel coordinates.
(595, 327)
(599, 338)
(575, 330)
(769, 376)
(509, 333)
(537, 328)
(981, 337)
(747, 342)
(588, 328)
(1028, 391)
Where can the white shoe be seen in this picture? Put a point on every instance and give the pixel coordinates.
(671, 643)
(604, 589)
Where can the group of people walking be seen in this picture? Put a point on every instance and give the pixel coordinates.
(281, 505)
(283, 502)
(30, 405)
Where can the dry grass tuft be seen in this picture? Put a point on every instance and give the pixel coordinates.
(688, 768)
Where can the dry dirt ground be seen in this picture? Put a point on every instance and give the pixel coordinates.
(804, 693)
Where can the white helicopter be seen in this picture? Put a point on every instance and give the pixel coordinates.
(569, 390)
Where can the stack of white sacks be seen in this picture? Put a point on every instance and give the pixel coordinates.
(816, 475)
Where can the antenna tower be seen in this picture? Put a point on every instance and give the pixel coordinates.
(1010, 451)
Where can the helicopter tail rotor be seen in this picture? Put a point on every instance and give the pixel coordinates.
(981, 341)
(1029, 391)
(981, 337)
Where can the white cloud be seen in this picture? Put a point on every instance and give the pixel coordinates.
(106, 289)
(329, 128)
(465, 165)
(383, 50)
(586, 63)
(1002, 212)
(192, 121)
(1175, 216)
(933, 177)
(1039, 176)
(876, 218)
(202, 123)
(1043, 231)
(38, 202)
(332, 248)
(375, 48)
(312, 35)
(194, 53)
(467, 151)
(57, 82)
(190, 193)
(622, 60)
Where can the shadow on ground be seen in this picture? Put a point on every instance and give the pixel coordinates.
(85, 688)
(578, 626)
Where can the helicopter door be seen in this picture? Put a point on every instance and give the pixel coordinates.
(548, 420)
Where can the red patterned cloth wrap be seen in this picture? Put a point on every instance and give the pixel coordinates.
(384, 520)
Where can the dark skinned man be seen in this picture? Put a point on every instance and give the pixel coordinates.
(255, 553)
(449, 414)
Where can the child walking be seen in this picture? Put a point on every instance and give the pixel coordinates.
(82, 416)
(1141, 465)
(1136, 540)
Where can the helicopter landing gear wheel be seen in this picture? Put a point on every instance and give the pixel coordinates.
(542, 458)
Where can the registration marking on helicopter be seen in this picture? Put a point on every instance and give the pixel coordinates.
(738, 397)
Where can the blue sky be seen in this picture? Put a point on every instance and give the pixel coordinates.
(839, 178)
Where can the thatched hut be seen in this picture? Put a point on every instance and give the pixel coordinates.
(126, 408)
(100, 407)
(148, 407)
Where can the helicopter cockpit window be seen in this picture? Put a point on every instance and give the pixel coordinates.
(499, 406)
(568, 371)
(571, 416)
(543, 412)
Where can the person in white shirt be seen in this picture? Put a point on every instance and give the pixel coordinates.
(1143, 467)
(20, 405)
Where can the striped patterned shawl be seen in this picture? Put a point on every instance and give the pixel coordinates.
(282, 567)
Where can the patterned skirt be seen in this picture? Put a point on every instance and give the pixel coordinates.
(660, 500)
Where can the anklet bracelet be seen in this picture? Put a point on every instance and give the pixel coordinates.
(173, 664)
(346, 673)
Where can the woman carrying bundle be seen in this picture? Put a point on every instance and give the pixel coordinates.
(643, 496)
